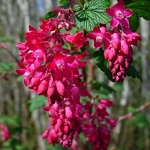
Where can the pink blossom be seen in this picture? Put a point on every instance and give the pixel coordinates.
(99, 133)
(100, 36)
(4, 132)
(77, 39)
(119, 15)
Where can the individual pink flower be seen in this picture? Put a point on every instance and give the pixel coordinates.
(132, 37)
(77, 39)
(119, 15)
(100, 36)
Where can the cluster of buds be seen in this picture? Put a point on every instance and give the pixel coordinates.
(97, 126)
(118, 43)
(64, 122)
(4, 132)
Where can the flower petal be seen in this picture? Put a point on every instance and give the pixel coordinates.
(125, 22)
(114, 22)
(127, 13)
(119, 6)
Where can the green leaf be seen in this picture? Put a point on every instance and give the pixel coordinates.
(76, 7)
(92, 14)
(61, 2)
(50, 15)
(36, 103)
(133, 72)
(102, 94)
(11, 121)
(134, 22)
(118, 87)
(140, 7)
(98, 85)
(108, 88)
(5, 67)
(6, 39)
(66, 5)
(131, 109)
(98, 57)
(141, 120)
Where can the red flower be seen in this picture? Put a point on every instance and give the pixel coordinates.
(77, 39)
(119, 15)
(100, 36)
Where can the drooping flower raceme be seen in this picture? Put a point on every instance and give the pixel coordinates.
(117, 43)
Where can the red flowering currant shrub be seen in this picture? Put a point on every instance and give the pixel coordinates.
(52, 58)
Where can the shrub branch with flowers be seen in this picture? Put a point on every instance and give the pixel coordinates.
(52, 59)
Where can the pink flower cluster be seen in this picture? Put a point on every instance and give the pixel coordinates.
(4, 132)
(52, 70)
(118, 43)
(97, 126)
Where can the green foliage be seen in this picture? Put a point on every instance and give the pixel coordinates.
(131, 109)
(134, 22)
(140, 7)
(76, 7)
(101, 85)
(12, 144)
(61, 2)
(92, 14)
(50, 15)
(141, 120)
(133, 72)
(10, 121)
(118, 87)
(6, 39)
(98, 57)
(56, 147)
(36, 102)
(15, 129)
(65, 5)
(5, 67)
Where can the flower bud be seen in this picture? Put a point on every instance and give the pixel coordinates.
(68, 112)
(112, 54)
(124, 47)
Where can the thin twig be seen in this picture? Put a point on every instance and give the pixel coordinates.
(130, 114)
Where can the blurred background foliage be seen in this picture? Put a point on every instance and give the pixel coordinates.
(19, 108)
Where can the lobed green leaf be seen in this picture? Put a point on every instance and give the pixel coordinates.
(5, 67)
(140, 7)
(133, 72)
(92, 14)
(36, 103)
